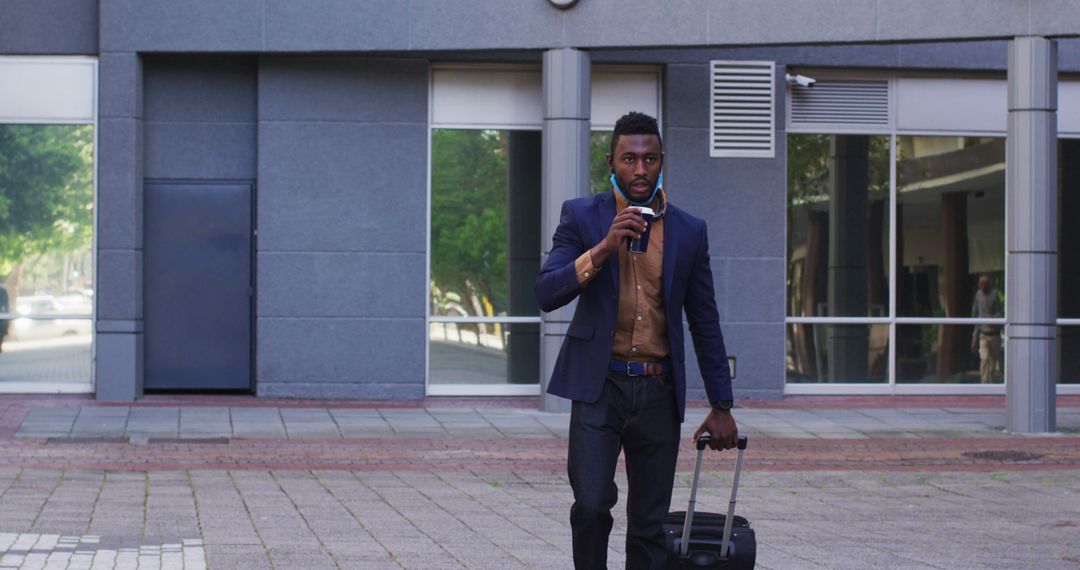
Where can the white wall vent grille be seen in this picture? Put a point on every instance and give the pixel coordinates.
(741, 109)
(831, 103)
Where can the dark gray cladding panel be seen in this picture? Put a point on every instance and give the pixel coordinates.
(341, 350)
(47, 27)
(343, 89)
(339, 284)
(200, 114)
(327, 186)
(188, 26)
(200, 88)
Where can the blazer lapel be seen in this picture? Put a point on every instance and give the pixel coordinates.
(671, 248)
(603, 215)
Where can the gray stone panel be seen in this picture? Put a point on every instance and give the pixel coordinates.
(336, 351)
(946, 18)
(207, 89)
(40, 27)
(119, 183)
(120, 93)
(342, 390)
(119, 293)
(466, 24)
(329, 25)
(804, 21)
(342, 187)
(759, 353)
(743, 200)
(343, 89)
(200, 150)
(335, 285)
(754, 290)
(600, 22)
(960, 55)
(1052, 17)
(194, 25)
(118, 366)
(686, 95)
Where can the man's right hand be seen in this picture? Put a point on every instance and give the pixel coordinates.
(627, 224)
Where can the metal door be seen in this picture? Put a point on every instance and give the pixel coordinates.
(197, 286)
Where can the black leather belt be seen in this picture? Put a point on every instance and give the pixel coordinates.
(632, 368)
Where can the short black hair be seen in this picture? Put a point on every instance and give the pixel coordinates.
(634, 123)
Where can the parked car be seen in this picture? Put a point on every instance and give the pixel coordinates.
(27, 327)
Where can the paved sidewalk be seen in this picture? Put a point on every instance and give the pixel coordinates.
(235, 483)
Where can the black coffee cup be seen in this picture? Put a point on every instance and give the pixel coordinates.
(639, 245)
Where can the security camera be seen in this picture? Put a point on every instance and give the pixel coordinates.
(800, 80)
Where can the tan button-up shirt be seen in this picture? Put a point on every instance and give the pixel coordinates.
(640, 327)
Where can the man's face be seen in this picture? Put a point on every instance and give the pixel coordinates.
(984, 283)
(637, 162)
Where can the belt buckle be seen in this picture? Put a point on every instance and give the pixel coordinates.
(629, 371)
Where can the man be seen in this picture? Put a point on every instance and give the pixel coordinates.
(986, 338)
(622, 361)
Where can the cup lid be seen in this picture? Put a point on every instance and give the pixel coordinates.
(646, 211)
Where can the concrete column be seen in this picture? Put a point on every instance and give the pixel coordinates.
(1031, 236)
(118, 369)
(848, 238)
(565, 175)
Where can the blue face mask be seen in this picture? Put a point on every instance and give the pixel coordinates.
(647, 201)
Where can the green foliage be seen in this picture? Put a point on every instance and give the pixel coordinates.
(599, 171)
(469, 216)
(46, 191)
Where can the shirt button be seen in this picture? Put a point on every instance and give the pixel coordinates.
(639, 287)
(639, 317)
(586, 274)
(633, 349)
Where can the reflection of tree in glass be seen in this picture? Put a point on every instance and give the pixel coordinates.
(46, 194)
(599, 171)
(469, 221)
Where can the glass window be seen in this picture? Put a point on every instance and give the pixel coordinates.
(485, 353)
(46, 257)
(823, 352)
(838, 226)
(951, 224)
(955, 354)
(485, 222)
(485, 254)
(599, 171)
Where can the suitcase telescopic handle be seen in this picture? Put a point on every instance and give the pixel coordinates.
(702, 443)
(704, 440)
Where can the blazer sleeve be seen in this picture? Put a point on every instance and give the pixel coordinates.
(704, 323)
(557, 283)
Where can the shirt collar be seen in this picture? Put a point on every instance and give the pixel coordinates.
(659, 203)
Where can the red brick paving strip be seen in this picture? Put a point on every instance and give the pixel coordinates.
(532, 455)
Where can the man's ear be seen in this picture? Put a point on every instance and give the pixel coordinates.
(610, 163)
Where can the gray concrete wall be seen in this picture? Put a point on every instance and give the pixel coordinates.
(342, 171)
(391, 25)
(199, 117)
(742, 200)
(48, 27)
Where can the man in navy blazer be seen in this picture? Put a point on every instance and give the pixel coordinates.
(623, 359)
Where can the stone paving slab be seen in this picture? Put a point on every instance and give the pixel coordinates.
(344, 519)
(484, 423)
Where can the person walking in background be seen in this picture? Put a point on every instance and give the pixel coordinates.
(987, 338)
(622, 360)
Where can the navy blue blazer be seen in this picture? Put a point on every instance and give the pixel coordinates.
(688, 285)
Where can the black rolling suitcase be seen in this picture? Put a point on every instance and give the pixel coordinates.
(716, 540)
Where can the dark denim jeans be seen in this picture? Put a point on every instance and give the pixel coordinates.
(636, 414)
